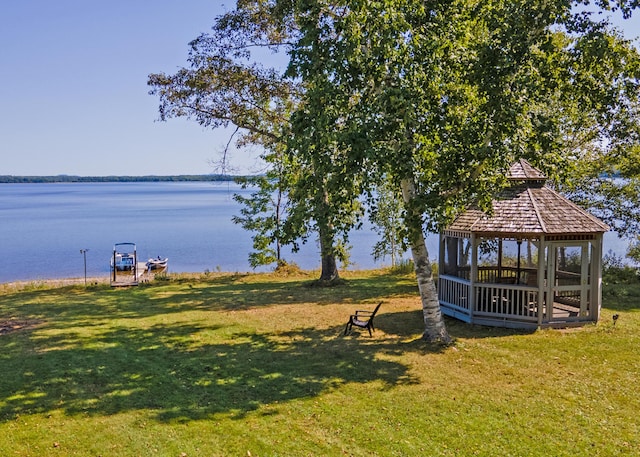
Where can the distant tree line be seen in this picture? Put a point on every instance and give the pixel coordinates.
(67, 178)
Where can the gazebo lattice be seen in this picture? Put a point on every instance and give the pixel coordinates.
(535, 262)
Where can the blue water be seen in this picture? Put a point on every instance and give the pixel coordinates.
(43, 227)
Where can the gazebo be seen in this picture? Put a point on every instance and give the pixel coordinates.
(535, 262)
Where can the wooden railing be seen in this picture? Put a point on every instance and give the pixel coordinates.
(504, 300)
(493, 274)
(498, 295)
(509, 275)
(454, 292)
(490, 300)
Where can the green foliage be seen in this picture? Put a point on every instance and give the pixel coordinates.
(442, 97)
(262, 213)
(615, 271)
(230, 82)
(633, 250)
(604, 144)
(284, 268)
(620, 275)
(162, 276)
(450, 94)
(387, 218)
(404, 266)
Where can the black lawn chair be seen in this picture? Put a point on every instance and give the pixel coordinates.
(362, 319)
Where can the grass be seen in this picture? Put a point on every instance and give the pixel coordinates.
(237, 365)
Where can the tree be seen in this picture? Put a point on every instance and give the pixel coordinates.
(605, 176)
(227, 84)
(386, 216)
(444, 96)
(262, 213)
(633, 251)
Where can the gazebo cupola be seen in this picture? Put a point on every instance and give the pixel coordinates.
(536, 261)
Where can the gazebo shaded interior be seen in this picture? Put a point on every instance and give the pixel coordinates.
(535, 262)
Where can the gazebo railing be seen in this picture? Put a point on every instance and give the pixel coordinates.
(455, 293)
(495, 274)
(507, 274)
(506, 301)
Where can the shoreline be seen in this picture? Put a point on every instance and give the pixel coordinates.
(99, 280)
(59, 282)
(93, 280)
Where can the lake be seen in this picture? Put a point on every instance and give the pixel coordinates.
(44, 227)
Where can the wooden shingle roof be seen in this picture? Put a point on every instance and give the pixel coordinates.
(524, 171)
(529, 208)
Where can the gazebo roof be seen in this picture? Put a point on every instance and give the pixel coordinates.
(524, 171)
(529, 208)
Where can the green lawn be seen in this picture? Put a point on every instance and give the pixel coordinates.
(235, 365)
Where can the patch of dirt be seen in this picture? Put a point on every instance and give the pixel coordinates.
(14, 325)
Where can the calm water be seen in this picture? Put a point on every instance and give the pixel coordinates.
(43, 227)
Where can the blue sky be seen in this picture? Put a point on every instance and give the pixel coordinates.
(73, 92)
(73, 87)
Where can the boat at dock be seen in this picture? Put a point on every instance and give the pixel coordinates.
(123, 261)
(158, 263)
(124, 265)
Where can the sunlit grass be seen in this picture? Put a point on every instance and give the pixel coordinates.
(223, 365)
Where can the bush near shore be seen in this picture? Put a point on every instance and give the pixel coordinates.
(233, 364)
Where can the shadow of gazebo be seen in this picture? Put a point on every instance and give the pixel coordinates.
(535, 262)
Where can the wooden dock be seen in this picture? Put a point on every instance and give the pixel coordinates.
(127, 279)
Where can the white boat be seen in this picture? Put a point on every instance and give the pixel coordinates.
(158, 263)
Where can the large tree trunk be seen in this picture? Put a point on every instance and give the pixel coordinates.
(329, 265)
(435, 329)
(329, 271)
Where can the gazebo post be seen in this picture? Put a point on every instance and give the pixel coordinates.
(441, 259)
(596, 278)
(499, 259)
(542, 254)
(519, 241)
(473, 274)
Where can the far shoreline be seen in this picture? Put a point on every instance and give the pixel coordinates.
(53, 179)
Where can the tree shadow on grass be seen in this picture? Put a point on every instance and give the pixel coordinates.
(182, 372)
(217, 294)
(82, 363)
(233, 293)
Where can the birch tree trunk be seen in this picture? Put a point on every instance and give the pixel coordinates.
(435, 329)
